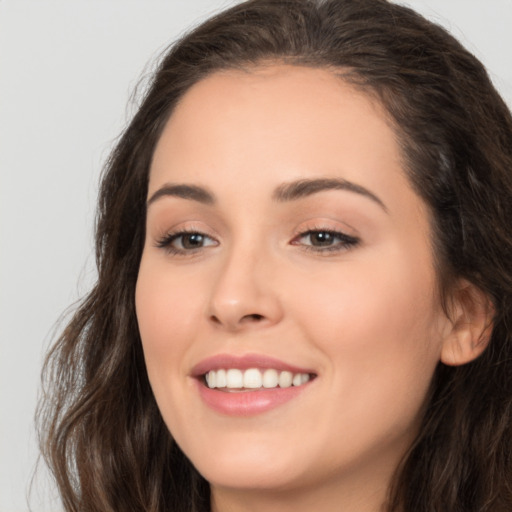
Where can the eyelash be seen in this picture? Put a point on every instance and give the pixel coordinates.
(166, 242)
(344, 241)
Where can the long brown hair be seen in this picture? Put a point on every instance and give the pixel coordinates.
(101, 431)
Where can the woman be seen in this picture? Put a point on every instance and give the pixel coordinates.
(303, 296)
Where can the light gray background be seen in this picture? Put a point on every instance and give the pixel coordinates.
(67, 69)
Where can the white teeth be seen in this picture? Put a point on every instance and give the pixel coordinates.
(221, 381)
(253, 378)
(211, 379)
(270, 378)
(234, 379)
(285, 379)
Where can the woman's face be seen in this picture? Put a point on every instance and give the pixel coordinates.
(285, 245)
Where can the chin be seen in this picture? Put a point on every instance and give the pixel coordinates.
(251, 469)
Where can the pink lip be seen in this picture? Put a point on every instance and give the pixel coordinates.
(245, 403)
(243, 363)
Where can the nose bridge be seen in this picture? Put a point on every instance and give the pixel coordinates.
(243, 294)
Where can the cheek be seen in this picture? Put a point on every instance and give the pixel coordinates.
(379, 327)
(166, 307)
(373, 298)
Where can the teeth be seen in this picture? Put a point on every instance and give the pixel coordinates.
(234, 378)
(253, 378)
(211, 379)
(221, 380)
(270, 378)
(285, 379)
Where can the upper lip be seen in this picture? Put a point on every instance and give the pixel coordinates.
(244, 362)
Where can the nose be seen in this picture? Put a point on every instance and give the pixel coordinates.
(244, 294)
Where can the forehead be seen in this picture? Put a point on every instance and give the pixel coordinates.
(265, 83)
(279, 108)
(276, 93)
(267, 125)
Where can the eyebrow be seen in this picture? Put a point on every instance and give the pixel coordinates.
(306, 187)
(283, 193)
(193, 192)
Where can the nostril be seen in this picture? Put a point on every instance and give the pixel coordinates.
(215, 320)
(255, 316)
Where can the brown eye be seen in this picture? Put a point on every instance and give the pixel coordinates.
(185, 242)
(191, 240)
(325, 240)
(321, 238)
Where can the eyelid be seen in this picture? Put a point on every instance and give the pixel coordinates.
(166, 240)
(344, 242)
(326, 224)
(337, 234)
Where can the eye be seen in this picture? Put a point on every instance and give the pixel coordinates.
(325, 240)
(185, 242)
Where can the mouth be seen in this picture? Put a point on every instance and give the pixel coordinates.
(233, 380)
(250, 384)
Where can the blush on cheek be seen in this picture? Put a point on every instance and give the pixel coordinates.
(374, 314)
(163, 305)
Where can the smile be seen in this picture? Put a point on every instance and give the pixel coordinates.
(250, 384)
(234, 379)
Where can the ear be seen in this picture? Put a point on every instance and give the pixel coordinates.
(471, 313)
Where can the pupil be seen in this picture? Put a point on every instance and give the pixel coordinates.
(192, 241)
(322, 238)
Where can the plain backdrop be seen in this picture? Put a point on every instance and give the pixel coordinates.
(67, 72)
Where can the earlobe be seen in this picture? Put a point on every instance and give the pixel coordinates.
(471, 316)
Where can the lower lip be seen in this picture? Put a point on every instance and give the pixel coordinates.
(248, 403)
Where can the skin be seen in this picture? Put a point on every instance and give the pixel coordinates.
(365, 317)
